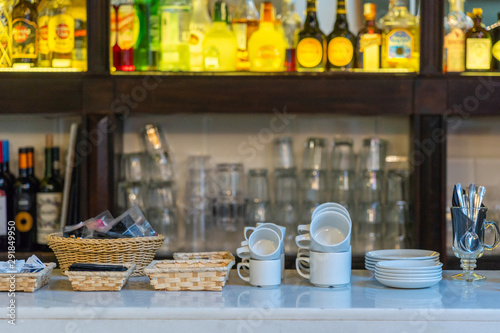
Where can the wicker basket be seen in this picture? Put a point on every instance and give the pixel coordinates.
(174, 275)
(100, 281)
(203, 255)
(28, 282)
(139, 250)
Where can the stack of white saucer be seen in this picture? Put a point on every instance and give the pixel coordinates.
(407, 269)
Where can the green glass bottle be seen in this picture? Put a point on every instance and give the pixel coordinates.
(174, 25)
(144, 57)
(311, 43)
(341, 42)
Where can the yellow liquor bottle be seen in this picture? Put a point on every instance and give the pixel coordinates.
(219, 44)
(61, 34)
(477, 45)
(5, 35)
(311, 43)
(401, 38)
(341, 42)
(79, 13)
(266, 47)
(244, 23)
(369, 41)
(44, 14)
(456, 24)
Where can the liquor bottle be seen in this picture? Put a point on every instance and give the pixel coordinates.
(311, 43)
(369, 41)
(290, 22)
(198, 27)
(122, 36)
(48, 199)
(174, 26)
(266, 47)
(24, 35)
(341, 42)
(495, 49)
(244, 24)
(219, 45)
(25, 206)
(44, 13)
(477, 45)
(143, 55)
(400, 38)
(56, 165)
(6, 194)
(456, 24)
(5, 35)
(62, 34)
(79, 14)
(30, 153)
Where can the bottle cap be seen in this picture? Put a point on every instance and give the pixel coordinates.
(369, 11)
(267, 12)
(477, 12)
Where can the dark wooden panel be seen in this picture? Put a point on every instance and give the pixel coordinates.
(428, 177)
(355, 94)
(47, 93)
(98, 94)
(431, 41)
(430, 96)
(473, 95)
(98, 36)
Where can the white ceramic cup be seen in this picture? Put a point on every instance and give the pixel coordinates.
(305, 228)
(329, 205)
(329, 232)
(327, 269)
(263, 244)
(263, 273)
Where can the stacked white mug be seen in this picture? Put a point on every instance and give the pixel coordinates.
(324, 256)
(263, 255)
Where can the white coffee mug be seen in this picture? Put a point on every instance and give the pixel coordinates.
(329, 205)
(263, 244)
(327, 269)
(263, 273)
(329, 232)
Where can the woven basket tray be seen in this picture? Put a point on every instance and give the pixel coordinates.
(99, 281)
(171, 275)
(139, 250)
(203, 255)
(28, 282)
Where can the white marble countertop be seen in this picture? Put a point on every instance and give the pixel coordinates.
(295, 306)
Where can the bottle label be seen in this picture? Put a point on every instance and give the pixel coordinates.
(369, 49)
(5, 39)
(3, 213)
(125, 32)
(240, 30)
(309, 52)
(340, 51)
(24, 221)
(48, 215)
(174, 27)
(495, 50)
(400, 44)
(43, 40)
(478, 53)
(24, 41)
(268, 52)
(62, 33)
(197, 34)
(211, 59)
(80, 50)
(454, 48)
(112, 27)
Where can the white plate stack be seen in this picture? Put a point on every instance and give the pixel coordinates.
(407, 269)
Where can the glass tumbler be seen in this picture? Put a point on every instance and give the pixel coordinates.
(313, 180)
(161, 163)
(198, 204)
(162, 213)
(397, 226)
(258, 207)
(342, 174)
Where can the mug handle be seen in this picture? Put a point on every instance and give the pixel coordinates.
(491, 224)
(246, 230)
(299, 267)
(303, 241)
(244, 243)
(246, 269)
(304, 229)
(243, 264)
(243, 252)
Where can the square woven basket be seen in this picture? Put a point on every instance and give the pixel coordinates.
(28, 282)
(139, 250)
(191, 273)
(100, 281)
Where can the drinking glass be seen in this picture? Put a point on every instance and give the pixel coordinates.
(134, 167)
(342, 175)
(198, 205)
(130, 194)
(258, 208)
(283, 155)
(314, 177)
(397, 215)
(161, 163)
(162, 213)
(468, 239)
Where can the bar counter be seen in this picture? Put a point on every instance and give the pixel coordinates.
(295, 306)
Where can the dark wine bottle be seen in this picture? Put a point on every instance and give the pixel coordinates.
(56, 165)
(495, 49)
(25, 206)
(341, 42)
(30, 151)
(48, 199)
(6, 195)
